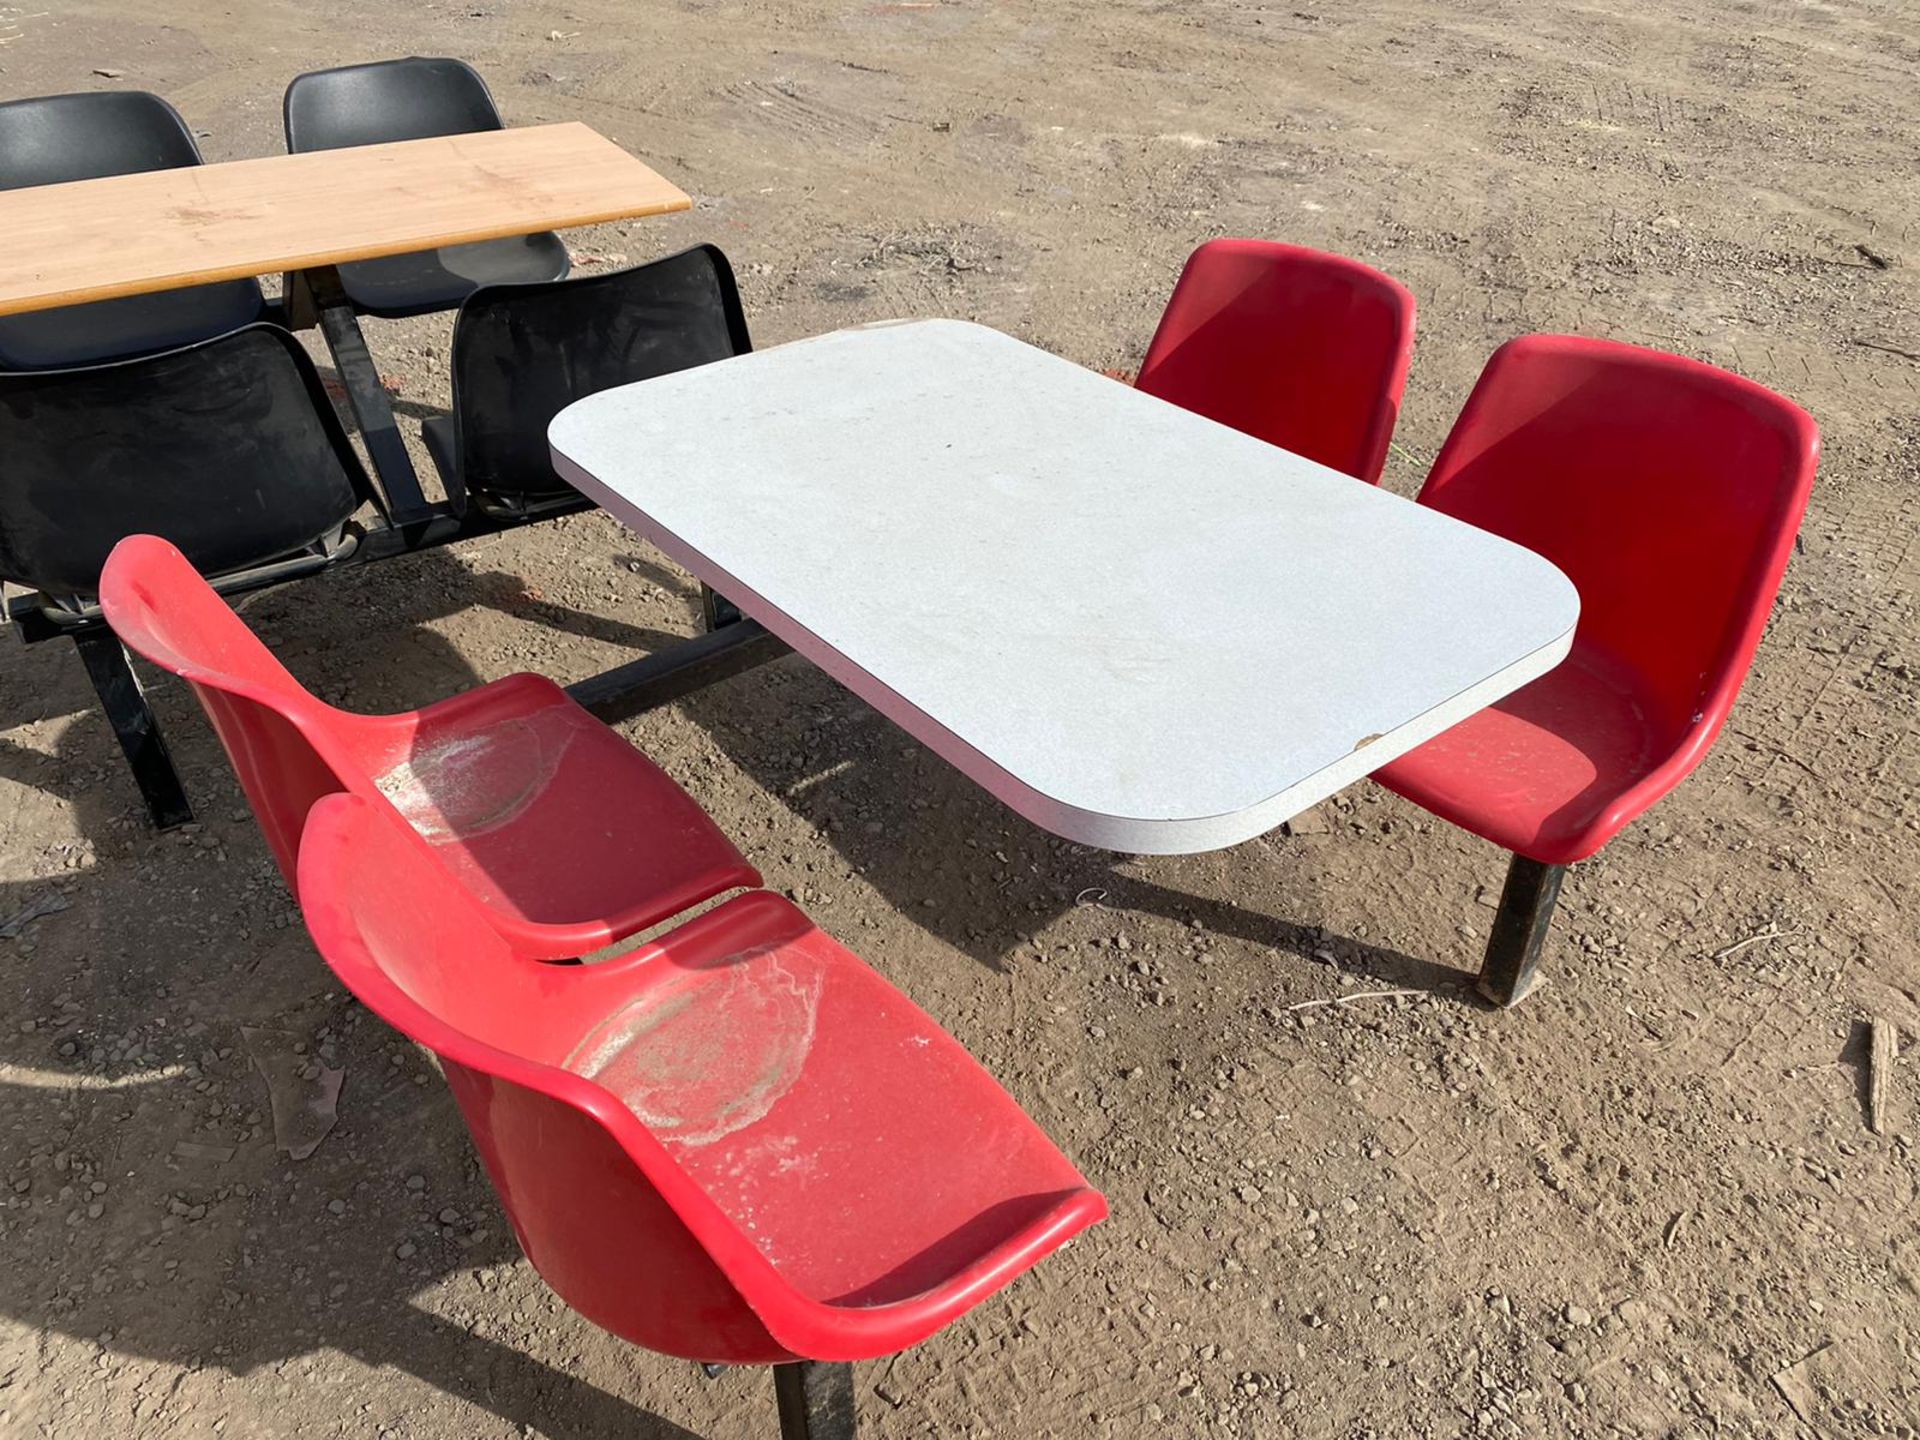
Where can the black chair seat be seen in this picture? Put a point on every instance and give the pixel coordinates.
(413, 99)
(441, 434)
(119, 329)
(523, 353)
(397, 286)
(52, 139)
(229, 448)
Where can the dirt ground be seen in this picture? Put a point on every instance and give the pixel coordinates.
(1646, 1203)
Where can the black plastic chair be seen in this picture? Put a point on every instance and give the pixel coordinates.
(413, 99)
(523, 353)
(57, 138)
(229, 448)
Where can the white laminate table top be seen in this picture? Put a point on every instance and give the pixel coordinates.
(1139, 629)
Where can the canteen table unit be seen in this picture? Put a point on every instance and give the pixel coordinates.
(1137, 628)
(304, 215)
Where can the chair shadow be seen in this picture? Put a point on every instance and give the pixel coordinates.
(249, 1281)
(518, 1388)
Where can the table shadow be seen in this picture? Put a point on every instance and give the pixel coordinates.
(918, 831)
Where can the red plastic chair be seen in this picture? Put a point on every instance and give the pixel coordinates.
(569, 836)
(1670, 493)
(1304, 350)
(735, 1144)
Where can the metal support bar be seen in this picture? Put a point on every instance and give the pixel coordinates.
(135, 728)
(816, 1401)
(656, 680)
(365, 394)
(1512, 964)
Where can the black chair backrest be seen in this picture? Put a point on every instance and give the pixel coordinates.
(523, 353)
(228, 448)
(55, 138)
(410, 99)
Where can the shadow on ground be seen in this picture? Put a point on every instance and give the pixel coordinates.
(918, 830)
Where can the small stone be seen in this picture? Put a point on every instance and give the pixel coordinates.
(1250, 1194)
(1578, 1316)
(336, 1207)
(449, 1216)
(404, 1251)
(416, 1182)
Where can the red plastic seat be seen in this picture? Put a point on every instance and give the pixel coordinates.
(1670, 493)
(1302, 349)
(569, 836)
(735, 1144)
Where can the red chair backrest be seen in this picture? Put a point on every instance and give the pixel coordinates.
(596, 1202)
(1304, 350)
(1669, 492)
(158, 604)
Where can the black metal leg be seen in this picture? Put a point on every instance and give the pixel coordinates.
(654, 680)
(1512, 964)
(716, 609)
(366, 395)
(816, 1401)
(134, 726)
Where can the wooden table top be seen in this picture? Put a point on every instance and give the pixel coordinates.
(1137, 628)
(163, 229)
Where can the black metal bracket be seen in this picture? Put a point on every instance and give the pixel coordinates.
(659, 679)
(716, 611)
(1512, 965)
(317, 292)
(816, 1401)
